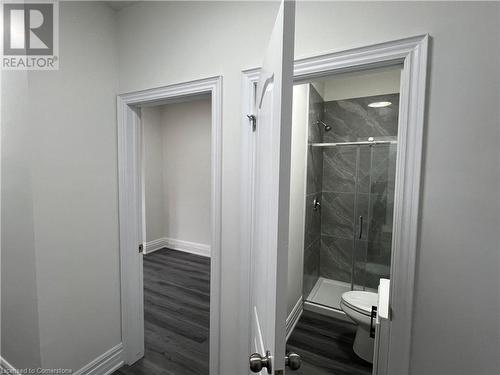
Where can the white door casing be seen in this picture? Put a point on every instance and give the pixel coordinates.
(411, 54)
(130, 209)
(272, 191)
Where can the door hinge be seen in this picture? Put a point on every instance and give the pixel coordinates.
(253, 121)
(141, 248)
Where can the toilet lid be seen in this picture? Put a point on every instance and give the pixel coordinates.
(360, 301)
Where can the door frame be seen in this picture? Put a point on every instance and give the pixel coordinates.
(411, 54)
(130, 186)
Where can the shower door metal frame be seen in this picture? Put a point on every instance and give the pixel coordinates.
(411, 55)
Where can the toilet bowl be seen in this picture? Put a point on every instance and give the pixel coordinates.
(358, 306)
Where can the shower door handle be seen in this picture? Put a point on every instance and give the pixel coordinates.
(360, 224)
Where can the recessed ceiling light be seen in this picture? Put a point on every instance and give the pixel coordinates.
(379, 104)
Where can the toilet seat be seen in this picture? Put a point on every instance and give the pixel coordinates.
(360, 301)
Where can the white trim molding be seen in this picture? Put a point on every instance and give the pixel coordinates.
(411, 55)
(248, 82)
(105, 364)
(154, 245)
(7, 368)
(293, 317)
(131, 209)
(180, 245)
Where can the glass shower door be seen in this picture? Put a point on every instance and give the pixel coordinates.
(374, 205)
(352, 148)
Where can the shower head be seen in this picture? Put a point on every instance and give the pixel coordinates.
(326, 127)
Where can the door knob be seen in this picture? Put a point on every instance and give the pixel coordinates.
(258, 362)
(293, 361)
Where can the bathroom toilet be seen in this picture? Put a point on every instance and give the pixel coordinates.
(358, 306)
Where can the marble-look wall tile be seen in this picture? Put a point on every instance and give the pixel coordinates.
(336, 258)
(339, 169)
(379, 252)
(314, 182)
(315, 162)
(337, 215)
(368, 171)
(383, 169)
(360, 251)
(368, 267)
(353, 120)
(372, 261)
(376, 168)
(381, 217)
(378, 263)
(363, 178)
(315, 135)
(377, 213)
(311, 266)
(312, 230)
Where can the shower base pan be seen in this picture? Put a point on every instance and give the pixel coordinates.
(326, 295)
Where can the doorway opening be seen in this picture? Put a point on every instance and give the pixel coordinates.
(176, 232)
(344, 150)
(170, 225)
(390, 313)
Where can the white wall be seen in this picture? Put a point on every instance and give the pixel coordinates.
(186, 173)
(458, 253)
(74, 243)
(162, 43)
(59, 200)
(300, 118)
(154, 189)
(361, 84)
(75, 191)
(20, 336)
(177, 149)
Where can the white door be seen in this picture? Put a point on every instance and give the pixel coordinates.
(271, 194)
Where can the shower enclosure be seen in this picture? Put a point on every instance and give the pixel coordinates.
(351, 163)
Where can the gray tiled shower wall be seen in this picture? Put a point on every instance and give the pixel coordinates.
(314, 182)
(352, 181)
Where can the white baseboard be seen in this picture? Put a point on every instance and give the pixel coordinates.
(155, 245)
(105, 364)
(293, 318)
(171, 243)
(7, 368)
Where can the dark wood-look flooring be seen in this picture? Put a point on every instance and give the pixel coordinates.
(177, 321)
(325, 346)
(176, 315)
